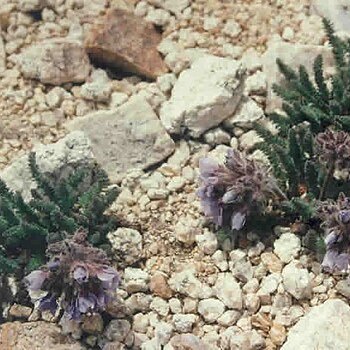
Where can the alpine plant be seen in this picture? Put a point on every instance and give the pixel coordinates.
(232, 191)
(78, 278)
(336, 222)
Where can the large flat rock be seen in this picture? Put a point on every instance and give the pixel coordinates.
(124, 41)
(203, 96)
(130, 136)
(293, 55)
(325, 327)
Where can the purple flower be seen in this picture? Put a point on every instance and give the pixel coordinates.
(335, 261)
(48, 302)
(35, 280)
(109, 277)
(231, 192)
(80, 274)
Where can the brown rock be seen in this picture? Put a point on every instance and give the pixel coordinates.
(272, 262)
(20, 311)
(261, 321)
(35, 335)
(159, 286)
(278, 334)
(123, 40)
(92, 324)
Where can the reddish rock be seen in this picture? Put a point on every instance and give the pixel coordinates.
(35, 335)
(124, 41)
(159, 286)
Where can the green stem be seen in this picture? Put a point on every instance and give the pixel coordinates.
(327, 179)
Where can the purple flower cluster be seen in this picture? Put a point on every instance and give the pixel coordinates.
(336, 221)
(230, 192)
(78, 278)
(334, 146)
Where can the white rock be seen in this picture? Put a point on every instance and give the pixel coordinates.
(177, 61)
(163, 332)
(126, 245)
(233, 51)
(160, 306)
(287, 247)
(249, 139)
(229, 318)
(117, 99)
(210, 22)
(141, 8)
(234, 338)
(297, 281)
(175, 306)
(166, 82)
(217, 136)
(219, 259)
(183, 323)
(176, 184)
(256, 84)
(252, 302)
(181, 154)
(269, 284)
(211, 309)
(207, 242)
(157, 193)
(228, 291)
(140, 323)
(55, 160)
(186, 283)
(203, 96)
(129, 137)
(247, 112)
(288, 33)
(175, 7)
(325, 327)
(186, 230)
(337, 12)
(251, 60)
(55, 61)
(31, 5)
(232, 28)
(99, 89)
(159, 17)
(136, 280)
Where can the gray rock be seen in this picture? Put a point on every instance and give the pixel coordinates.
(297, 281)
(325, 327)
(117, 330)
(126, 245)
(99, 89)
(56, 159)
(130, 136)
(203, 96)
(55, 61)
(293, 55)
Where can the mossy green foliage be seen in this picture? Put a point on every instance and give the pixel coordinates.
(58, 208)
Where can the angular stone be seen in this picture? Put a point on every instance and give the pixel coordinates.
(287, 247)
(325, 327)
(55, 61)
(228, 291)
(129, 137)
(20, 311)
(175, 7)
(211, 309)
(297, 281)
(293, 55)
(159, 286)
(203, 96)
(35, 335)
(123, 41)
(187, 341)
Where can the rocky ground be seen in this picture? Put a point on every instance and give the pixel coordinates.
(195, 75)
